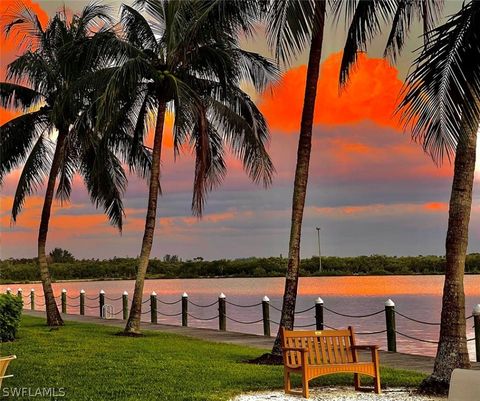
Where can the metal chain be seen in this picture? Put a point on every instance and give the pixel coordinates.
(202, 306)
(114, 299)
(417, 321)
(199, 318)
(168, 314)
(417, 339)
(305, 310)
(169, 303)
(367, 333)
(243, 306)
(239, 321)
(353, 316)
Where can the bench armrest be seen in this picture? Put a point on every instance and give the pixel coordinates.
(303, 356)
(365, 347)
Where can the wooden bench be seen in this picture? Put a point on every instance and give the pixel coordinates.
(4, 361)
(323, 352)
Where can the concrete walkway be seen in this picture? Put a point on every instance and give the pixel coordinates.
(398, 360)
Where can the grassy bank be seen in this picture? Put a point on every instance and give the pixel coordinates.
(124, 268)
(90, 363)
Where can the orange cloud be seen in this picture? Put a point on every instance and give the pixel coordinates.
(371, 95)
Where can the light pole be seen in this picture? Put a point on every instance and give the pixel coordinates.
(319, 251)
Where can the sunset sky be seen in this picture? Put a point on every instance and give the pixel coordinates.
(371, 189)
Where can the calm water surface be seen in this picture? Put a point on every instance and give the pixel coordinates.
(418, 297)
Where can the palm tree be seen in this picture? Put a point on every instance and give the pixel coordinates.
(55, 77)
(442, 105)
(186, 58)
(290, 24)
(291, 27)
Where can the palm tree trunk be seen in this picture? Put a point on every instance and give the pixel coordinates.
(53, 315)
(301, 174)
(133, 323)
(452, 349)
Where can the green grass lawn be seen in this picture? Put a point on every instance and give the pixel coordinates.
(91, 363)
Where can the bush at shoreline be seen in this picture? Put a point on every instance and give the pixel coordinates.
(24, 270)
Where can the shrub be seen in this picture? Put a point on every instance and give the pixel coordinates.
(10, 313)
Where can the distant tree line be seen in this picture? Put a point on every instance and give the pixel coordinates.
(18, 270)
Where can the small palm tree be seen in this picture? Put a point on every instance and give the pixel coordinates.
(54, 83)
(185, 57)
(442, 103)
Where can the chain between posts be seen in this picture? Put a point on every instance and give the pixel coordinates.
(222, 316)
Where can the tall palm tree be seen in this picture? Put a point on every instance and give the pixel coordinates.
(186, 57)
(292, 26)
(441, 106)
(54, 78)
(442, 103)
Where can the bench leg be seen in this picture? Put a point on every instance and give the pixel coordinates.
(286, 381)
(304, 385)
(377, 386)
(356, 381)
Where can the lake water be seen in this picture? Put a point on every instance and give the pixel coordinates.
(418, 297)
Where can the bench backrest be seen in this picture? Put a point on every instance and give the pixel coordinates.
(464, 385)
(324, 346)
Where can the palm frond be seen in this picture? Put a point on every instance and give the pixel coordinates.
(35, 170)
(257, 69)
(125, 80)
(92, 18)
(18, 136)
(22, 25)
(202, 162)
(290, 24)
(138, 32)
(18, 96)
(32, 67)
(68, 168)
(365, 25)
(441, 94)
(106, 181)
(246, 130)
(428, 11)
